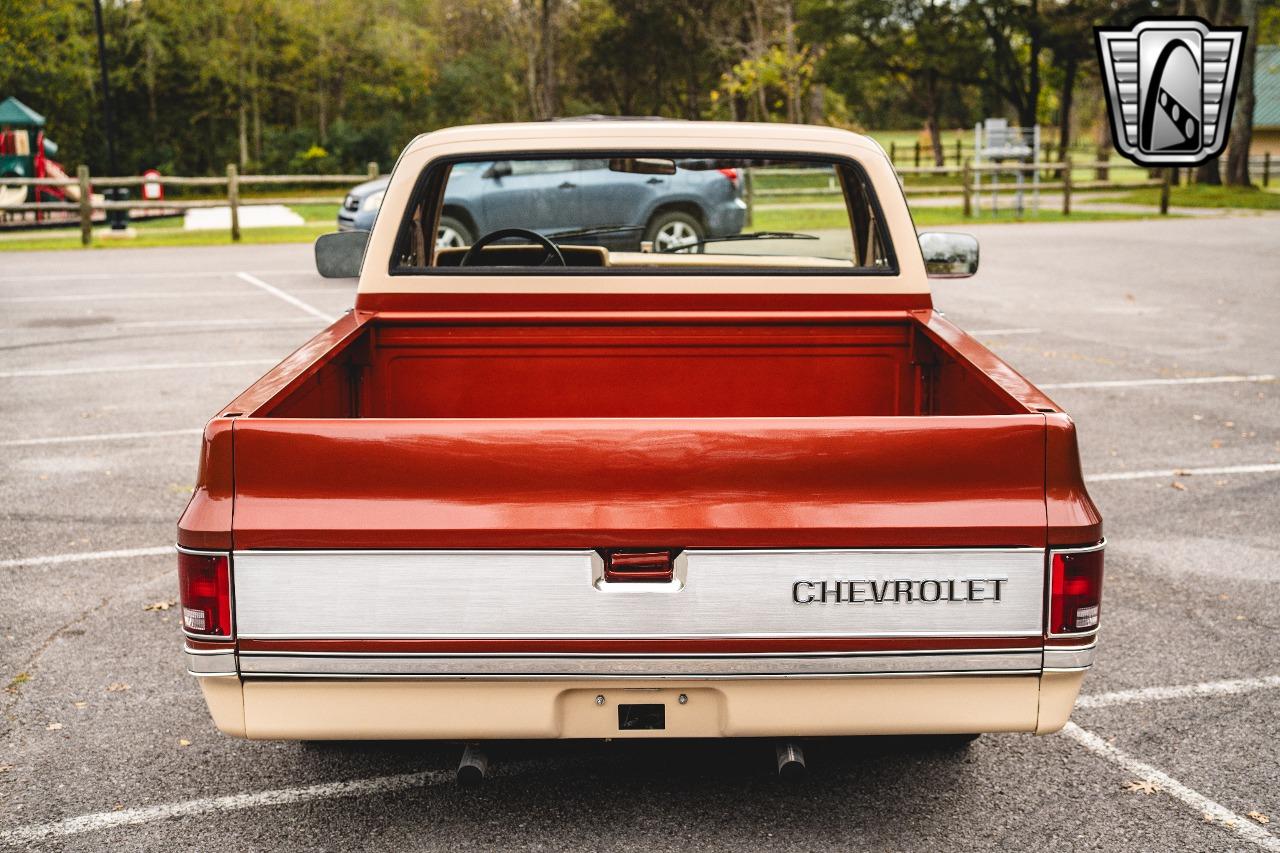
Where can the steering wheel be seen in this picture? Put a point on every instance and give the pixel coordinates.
(551, 249)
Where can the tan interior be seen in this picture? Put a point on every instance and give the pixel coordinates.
(411, 709)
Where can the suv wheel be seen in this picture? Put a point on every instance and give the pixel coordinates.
(672, 229)
(452, 233)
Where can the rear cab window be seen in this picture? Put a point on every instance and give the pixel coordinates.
(647, 212)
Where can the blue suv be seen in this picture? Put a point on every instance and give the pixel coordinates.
(552, 196)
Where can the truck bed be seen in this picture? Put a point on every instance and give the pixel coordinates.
(890, 430)
(640, 369)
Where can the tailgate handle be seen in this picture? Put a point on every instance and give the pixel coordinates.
(648, 566)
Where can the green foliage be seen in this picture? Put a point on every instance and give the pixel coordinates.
(267, 84)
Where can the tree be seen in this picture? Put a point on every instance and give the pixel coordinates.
(1242, 121)
(923, 45)
(1016, 34)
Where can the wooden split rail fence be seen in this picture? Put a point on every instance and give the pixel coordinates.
(1057, 176)
(231, 186)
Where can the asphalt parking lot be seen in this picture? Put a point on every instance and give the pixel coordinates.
(1160, 338)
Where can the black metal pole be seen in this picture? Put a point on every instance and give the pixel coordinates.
(119, 219)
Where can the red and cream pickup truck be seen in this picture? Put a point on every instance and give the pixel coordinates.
(568, 482)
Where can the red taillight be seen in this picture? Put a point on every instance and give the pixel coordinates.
(731, 174)
(1075, 592)
(639, 566)
(204, 589)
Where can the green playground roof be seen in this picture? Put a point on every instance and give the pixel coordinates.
(1266, 86)
(14, 112)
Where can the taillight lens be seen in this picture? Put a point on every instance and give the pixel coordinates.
(732, 174)
(204, 589)
(1075, 594)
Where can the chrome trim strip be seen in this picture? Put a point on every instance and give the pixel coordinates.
(550, 595)
(182, 549)
(1084, 636)
(1069, 658)
(685, 678)
(209, 664)
(634, 667)
(647, 655)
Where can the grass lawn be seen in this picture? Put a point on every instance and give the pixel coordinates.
(1203, 195)
(319, 218)
(925, 217)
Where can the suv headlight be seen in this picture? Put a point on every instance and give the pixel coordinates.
(373, 201)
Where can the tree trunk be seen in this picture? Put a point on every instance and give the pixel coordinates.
(1064, 107)
(242, 133)
(933, 121)
(1242, 123)
(547, 43)
(1209, 173)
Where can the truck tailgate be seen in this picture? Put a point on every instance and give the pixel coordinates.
(845, 482)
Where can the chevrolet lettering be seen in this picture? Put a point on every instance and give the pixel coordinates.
(631, 455)
(863, 591)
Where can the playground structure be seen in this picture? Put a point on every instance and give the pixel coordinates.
(25, 152)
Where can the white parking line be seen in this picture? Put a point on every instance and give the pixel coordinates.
(85, 556)
(1231, 687)
(150, 294)
(1136, 383)
(129, 368)
(115, 276)
(292, 300)
(977, 333)
(187, 808)
(101, 436)
(1263, 468)
(1239, 824)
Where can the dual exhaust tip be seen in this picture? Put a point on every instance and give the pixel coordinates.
(473, 767)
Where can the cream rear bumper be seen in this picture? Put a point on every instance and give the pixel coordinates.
(411, 709)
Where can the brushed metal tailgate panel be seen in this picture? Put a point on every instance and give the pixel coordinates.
(550, 594)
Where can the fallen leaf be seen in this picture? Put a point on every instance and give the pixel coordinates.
(5, 768)
(118, 807)
(1178, 486)
(1216, 444)
(80, 704)
(183, 742)
(1208, 818)
(1260, 817)
(159, 605)
(53, 727)
(17, 681)
(1145, 786)
(117, 687)
(1228, 424)
(1197, 417)
(1222, 596)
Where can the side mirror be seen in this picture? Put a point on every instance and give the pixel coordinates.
(949, 255)
(340, 254)
(501, 169)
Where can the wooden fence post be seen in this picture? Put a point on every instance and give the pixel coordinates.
(1164, 191)
(233, 200)
(959, 152)
(917, 153)
(86, 206)
(1066, 185)
(748, 195)
(893, 151)
(1266, 169)
(373, 170)
(966, 179)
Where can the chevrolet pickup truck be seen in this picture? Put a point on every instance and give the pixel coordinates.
(749, 486)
